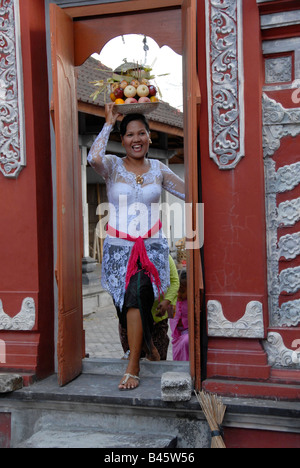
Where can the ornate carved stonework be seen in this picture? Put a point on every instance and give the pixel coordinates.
(289, 246)
(288, 314)
(289, 280)
(249, 326)
(289, 212)
(12, 148)
(278, 354)
(278, 69)
(225, 81)
(278, 123)
(23, 321)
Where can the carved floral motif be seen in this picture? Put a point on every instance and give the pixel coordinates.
(249, 326)
(23, 321)
(278, 69)
(289, 246)
(225, 89)
(278, 354)
(278, 123)
(12, 151)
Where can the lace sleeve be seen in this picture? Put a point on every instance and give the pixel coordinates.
(97, 158)
(171, 182)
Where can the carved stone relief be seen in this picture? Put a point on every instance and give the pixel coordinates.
(12, 147)
(289, 246)
(278, 354)
(278, 69)
(23, 321)
(249, 326)
(279, 122)
(225, 81)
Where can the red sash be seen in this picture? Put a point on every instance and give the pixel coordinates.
(139, 253)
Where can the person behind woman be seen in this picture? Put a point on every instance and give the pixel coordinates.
(135, 266)
(161, 312)
(179, 325)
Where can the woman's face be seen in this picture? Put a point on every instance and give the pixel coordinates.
(136, 140)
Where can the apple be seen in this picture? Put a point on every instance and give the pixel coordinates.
(152, 90)
(130, 91)
(135, 83)
(145, 82)
(130, 100)
(144, 99)
(143, 91)
(119, 93)
(123, 84)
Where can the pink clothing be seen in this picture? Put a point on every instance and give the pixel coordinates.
(180, 332)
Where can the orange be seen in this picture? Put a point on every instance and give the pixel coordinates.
(119, 101)
(113, 97)
(153, 99)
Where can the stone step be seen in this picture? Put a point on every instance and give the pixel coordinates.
(10, 382)
(55, 438)
(117, 367)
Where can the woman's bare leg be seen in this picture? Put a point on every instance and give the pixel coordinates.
(135, 341)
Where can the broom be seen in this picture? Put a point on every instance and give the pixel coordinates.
(214, 411)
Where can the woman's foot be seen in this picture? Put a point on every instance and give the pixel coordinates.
(129, 382)
(131, 378)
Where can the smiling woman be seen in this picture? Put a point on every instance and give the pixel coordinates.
(139, 249)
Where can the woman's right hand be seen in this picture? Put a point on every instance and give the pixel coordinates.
(110, 115)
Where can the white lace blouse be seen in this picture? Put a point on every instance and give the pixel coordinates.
(134, 210)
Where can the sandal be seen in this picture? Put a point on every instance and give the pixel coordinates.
(124, 382)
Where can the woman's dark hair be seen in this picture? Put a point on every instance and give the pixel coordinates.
(130, 118)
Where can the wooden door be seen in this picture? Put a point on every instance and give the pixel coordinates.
(191, 101)
(69, 207)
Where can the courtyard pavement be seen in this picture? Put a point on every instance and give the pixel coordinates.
(102, 334)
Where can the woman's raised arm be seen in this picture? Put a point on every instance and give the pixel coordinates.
(97, 158)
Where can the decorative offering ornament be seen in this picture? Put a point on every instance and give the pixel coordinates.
(131, 88)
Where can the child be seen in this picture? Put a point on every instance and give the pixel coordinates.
(179, 325)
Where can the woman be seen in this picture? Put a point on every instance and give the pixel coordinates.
(135, 267)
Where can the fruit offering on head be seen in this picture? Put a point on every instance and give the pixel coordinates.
(132, 84)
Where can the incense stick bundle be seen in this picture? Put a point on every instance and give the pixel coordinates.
(214, 411)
